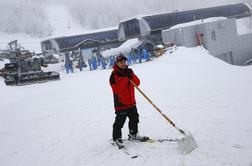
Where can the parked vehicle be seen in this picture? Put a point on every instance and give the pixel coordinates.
(23, 67)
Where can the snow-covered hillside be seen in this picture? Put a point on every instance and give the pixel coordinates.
(61, 22)
(69, 122)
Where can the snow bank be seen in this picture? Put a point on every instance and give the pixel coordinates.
(124, 48)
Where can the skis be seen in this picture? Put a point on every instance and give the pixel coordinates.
(124, 150)
(144, 139)
(149, 140)
(120, 146)
(165, 140)
(137, 138)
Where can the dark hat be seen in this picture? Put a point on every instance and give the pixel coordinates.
(120, 57)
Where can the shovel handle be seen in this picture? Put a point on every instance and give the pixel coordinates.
(149, 100)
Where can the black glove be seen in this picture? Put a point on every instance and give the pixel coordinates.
(128, 73)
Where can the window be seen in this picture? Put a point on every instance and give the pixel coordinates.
(213, 35)
(132, 27)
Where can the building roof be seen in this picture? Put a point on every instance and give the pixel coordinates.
(167, 20)
(156, 23)
(71, 41)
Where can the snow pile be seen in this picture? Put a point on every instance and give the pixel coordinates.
(69, 122)
(124, 48)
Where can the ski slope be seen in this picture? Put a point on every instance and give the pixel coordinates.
(61, 22)
(69, 122)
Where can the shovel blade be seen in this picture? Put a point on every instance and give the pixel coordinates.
(187, 144)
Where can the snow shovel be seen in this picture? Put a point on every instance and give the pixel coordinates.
(187, 143)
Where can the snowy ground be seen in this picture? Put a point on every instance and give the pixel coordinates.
(69, 122)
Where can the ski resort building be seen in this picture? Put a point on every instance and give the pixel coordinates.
(150, 27)
(101, 39)
(220, 38)
(219, 35)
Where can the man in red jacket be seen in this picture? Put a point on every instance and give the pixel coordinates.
(124, 99)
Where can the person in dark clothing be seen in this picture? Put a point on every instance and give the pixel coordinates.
(124, 98)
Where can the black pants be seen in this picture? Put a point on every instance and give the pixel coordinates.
(120, 119)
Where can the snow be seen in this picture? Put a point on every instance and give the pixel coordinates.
(160, 46)
(241, 24)
(124, 48)
(29, 43)
(69, 122)
(2, 62)
(63, 23)
(61, 20)
(196, 22)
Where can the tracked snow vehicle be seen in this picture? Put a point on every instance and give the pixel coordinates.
(23, 69)
(26, 72)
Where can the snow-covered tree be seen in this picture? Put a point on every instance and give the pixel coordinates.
(23, 16)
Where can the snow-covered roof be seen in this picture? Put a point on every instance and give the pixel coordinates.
(84, 33)
(196, 22)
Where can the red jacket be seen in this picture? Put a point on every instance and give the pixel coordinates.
(123, 90)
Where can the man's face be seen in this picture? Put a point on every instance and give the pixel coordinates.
(121, 64)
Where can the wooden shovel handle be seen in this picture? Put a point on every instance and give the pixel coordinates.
(149, 100)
